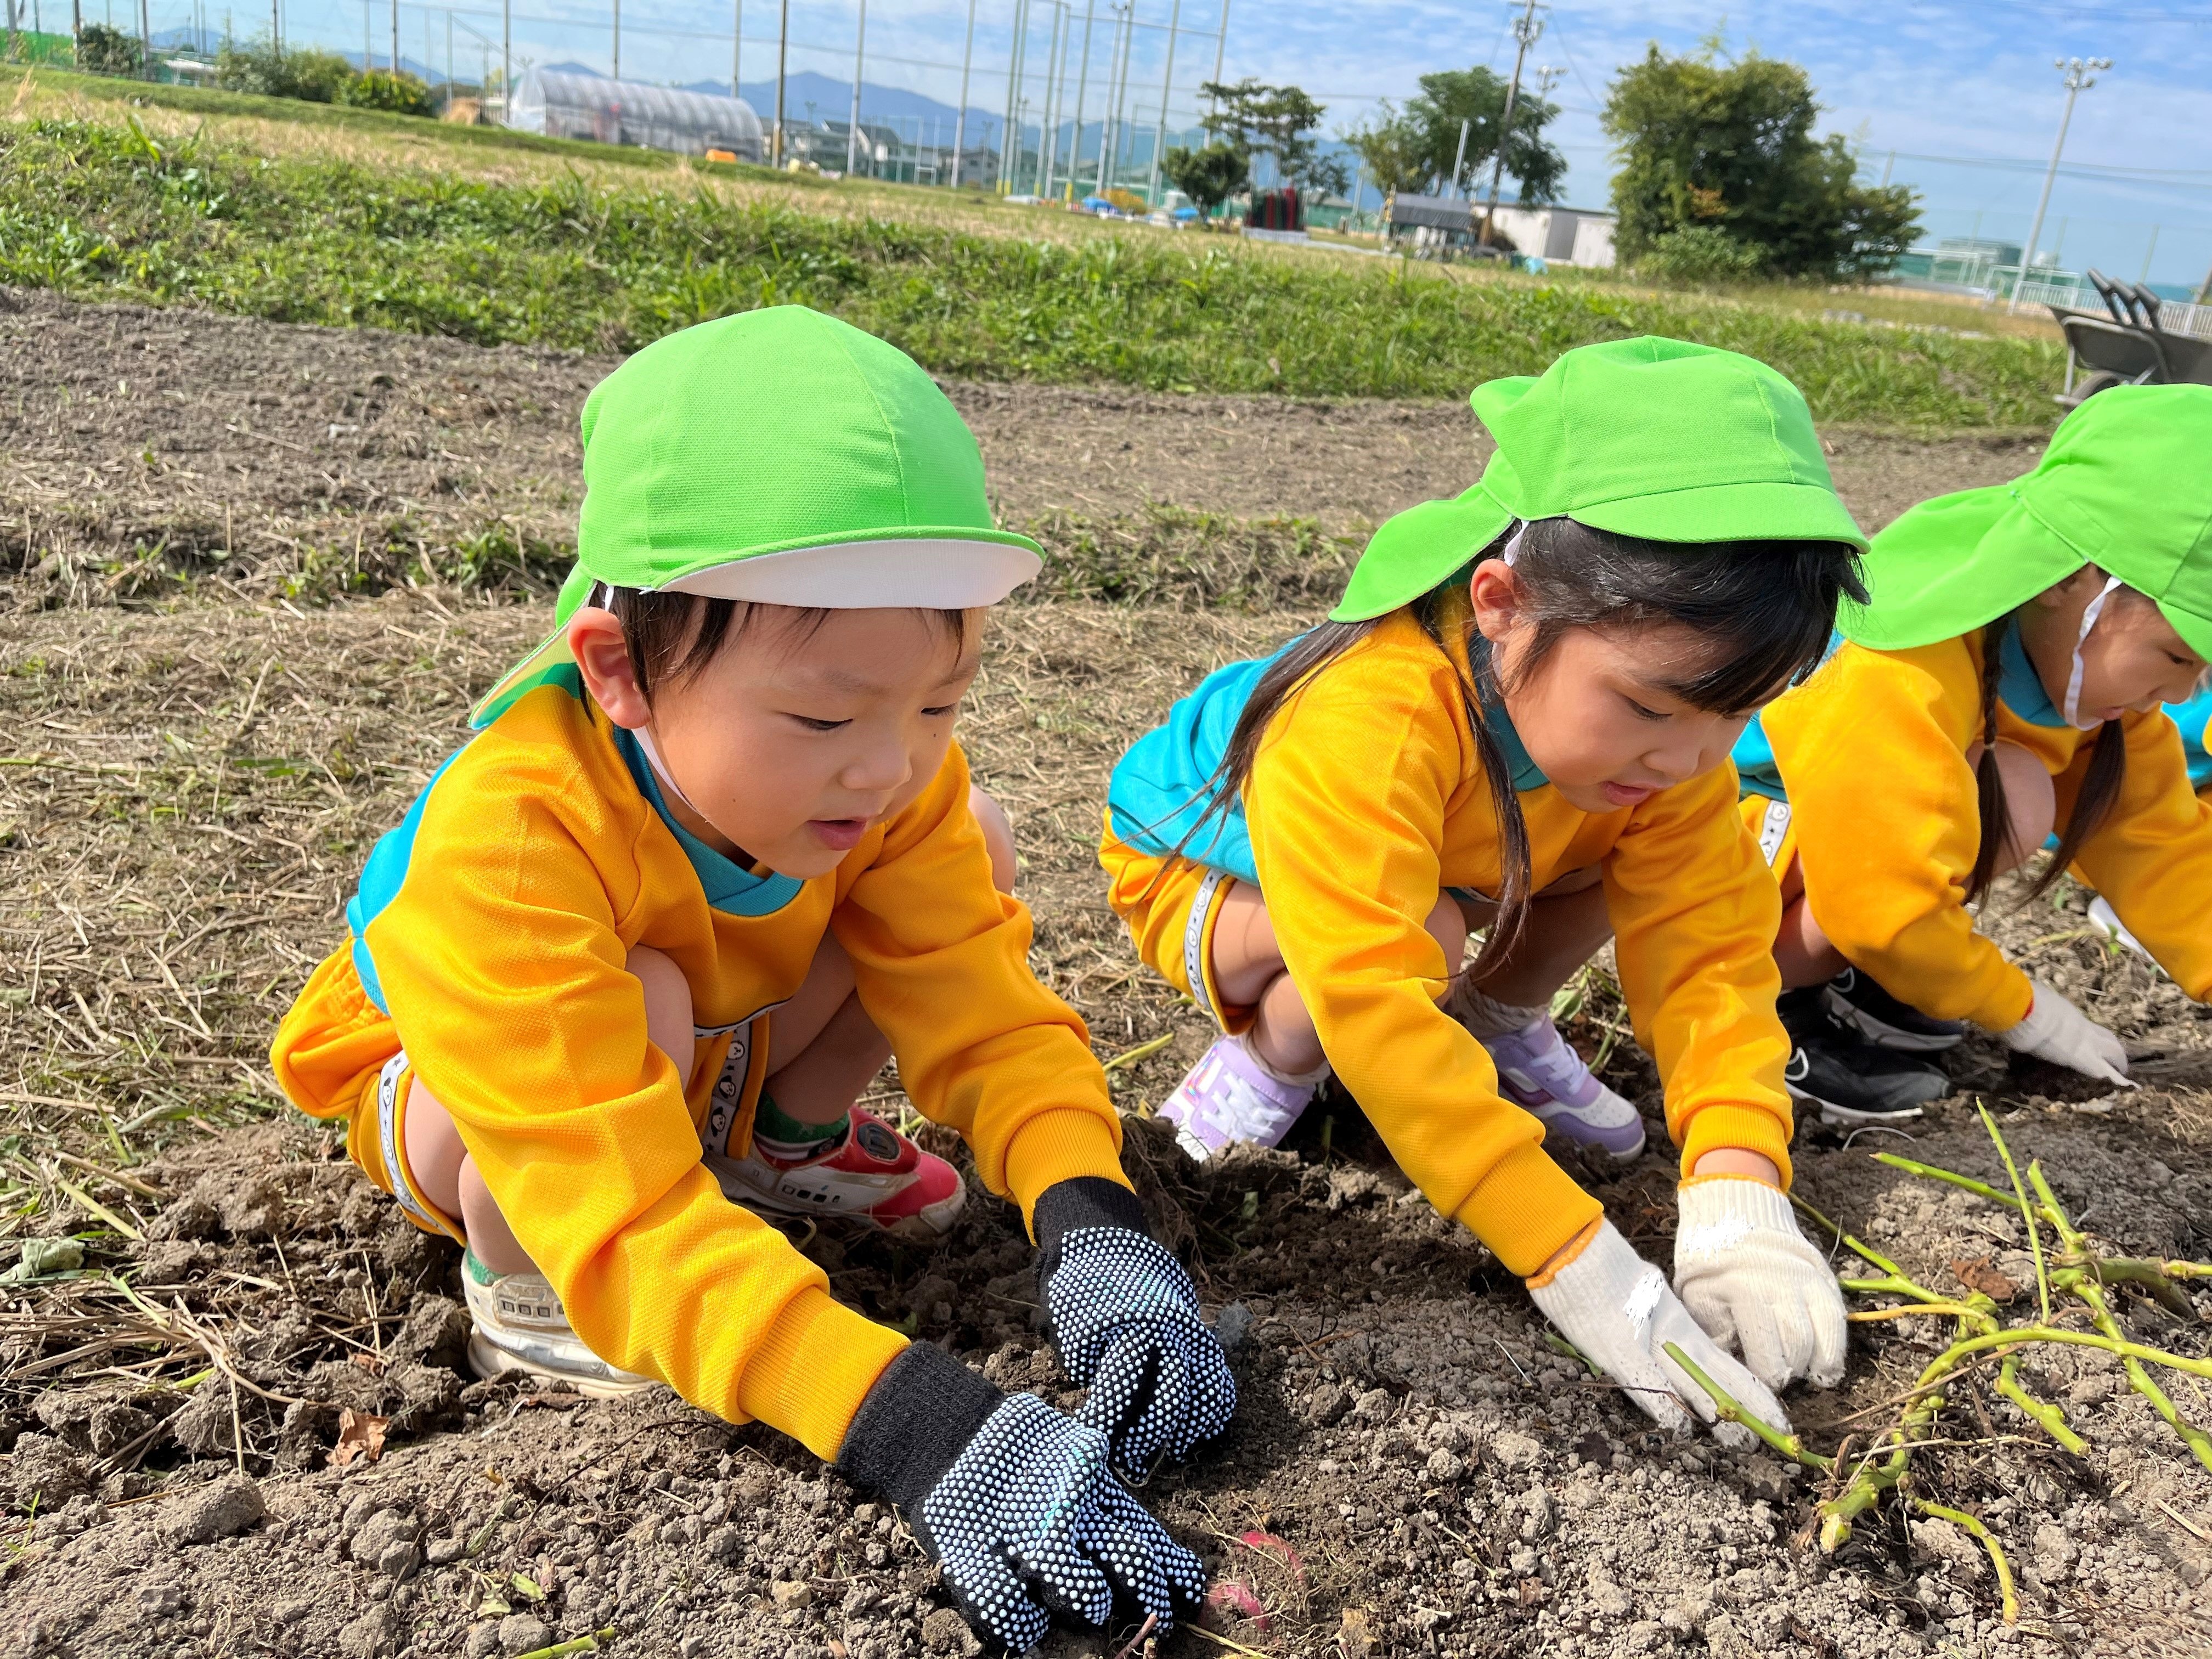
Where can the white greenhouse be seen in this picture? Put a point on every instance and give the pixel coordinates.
(562, 105)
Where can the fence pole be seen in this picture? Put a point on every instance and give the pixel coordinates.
(1167, 80)
(859, 56)
(960, 126)
(782, 48)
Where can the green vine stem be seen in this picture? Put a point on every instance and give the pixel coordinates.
(2010, 1608)
(2027, 1211)
(1724, 1405)
(2052, 1417)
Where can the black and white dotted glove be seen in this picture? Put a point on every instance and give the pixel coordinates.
(1125, 1317)
(1014, 1501)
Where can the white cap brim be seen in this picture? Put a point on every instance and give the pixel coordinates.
(933, 575)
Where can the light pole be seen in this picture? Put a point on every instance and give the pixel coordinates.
(1525, 29)
(859, 59)
(782, 45)
(1009, 152)
(1082, 90)
(1167, 80)
(960, 124)
(2079, 73)
(507, 62)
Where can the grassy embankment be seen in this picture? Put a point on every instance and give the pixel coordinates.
(608, 257)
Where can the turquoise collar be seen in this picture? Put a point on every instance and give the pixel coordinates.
(728, 885)
(2020, 688)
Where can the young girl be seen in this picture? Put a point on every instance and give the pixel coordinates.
(617, 977)
(1519, 719)
(2005, 681)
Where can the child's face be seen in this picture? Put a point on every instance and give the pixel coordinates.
(790, 744)
(2132, 659)
(1595, 715)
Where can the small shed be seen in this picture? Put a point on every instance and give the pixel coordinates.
(563, 105)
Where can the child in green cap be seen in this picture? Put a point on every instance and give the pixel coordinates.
(616, 981)
(1519, 720)
(2005, 681)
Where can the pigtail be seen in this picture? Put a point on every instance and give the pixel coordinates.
(1516, 871)
(1989, 802)
(2093, 804)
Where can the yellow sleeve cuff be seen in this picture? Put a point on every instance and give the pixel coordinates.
(1059, 1146)
(816, 1366)
(2007, 1006)
(1526, 1208)
(1738, 1128)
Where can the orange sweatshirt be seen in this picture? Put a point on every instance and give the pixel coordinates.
(1872, 750)
(490, 932)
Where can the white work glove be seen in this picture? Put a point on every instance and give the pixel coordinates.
(1755, 1282)
(1615, 1306)
(2055, 1029)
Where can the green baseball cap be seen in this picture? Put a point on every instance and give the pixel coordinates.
(2125, 485)
(785, 458)
(1649, 437)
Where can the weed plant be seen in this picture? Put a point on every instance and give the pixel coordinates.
(106, 211)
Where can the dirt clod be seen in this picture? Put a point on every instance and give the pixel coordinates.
(215, 1511)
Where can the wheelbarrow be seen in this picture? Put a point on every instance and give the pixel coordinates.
(2126, 343)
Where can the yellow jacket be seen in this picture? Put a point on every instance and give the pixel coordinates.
(1367, 798)
(490, 931)
(1872, 751)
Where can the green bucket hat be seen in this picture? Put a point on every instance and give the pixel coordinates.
(1648, 437)
(783, 456)
(2125, 485)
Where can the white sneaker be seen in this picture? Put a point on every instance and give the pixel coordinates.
(516, 1323)
(2107, 921)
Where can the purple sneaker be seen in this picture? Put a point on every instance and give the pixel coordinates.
(1537, 1071)
(1228, 1097)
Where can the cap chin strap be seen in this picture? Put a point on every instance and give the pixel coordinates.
(602, 596)
(1512, 549)
(2073, 708)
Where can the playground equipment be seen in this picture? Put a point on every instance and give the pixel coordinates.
(2132, 342)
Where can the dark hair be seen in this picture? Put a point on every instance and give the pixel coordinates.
(2093, 802)
(671, 637)
(1768, 607)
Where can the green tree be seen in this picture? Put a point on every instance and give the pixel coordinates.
(400, 93)
(1253, 118)
(1477, 97)
(103, 50)
(1390, 147)
(1208, 176)
(312, 77)
(1727, 144)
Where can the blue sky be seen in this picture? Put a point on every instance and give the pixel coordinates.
(1971, 80)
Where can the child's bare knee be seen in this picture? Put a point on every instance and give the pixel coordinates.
(667, 1002)
(998, 836)
(435, 1153)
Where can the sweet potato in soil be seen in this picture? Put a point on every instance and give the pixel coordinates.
(242, 1425)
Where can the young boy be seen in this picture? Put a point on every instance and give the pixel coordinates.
(618, 977)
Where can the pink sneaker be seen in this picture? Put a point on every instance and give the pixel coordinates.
(1539, 1073)
(874, 1175)
(1229, 1097)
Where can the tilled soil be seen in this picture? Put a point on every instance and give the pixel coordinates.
(1412, 1469)
(190, 1419)
(144, 452)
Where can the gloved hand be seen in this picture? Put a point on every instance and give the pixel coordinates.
(1753, 1281)
(2055, 1029)
(1614, 1306)
(1014, 1501)
(1125, 1317)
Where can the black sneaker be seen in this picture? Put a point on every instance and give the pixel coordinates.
(1854, 998)
(1852, 1081)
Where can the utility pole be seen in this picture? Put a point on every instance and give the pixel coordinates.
(782, 45)
(276, 28)
(859, 60)
(145, 39)
(1010, 143)
(395, 37)
(737, 43)
(2079, 73)
(617, 39)
(960, 124)
(507, 62)
(1526, 28)
(1082, 90)
(1167, 80)
(1459, 160)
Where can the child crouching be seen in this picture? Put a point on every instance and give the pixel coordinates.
(617, 978)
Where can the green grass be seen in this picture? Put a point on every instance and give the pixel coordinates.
(102, 211)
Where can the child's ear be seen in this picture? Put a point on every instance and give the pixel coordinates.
(1494, 592)
(595, 639)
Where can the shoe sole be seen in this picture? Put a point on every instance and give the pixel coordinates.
(1886, 1036)
(1852, 1117)
(929, 1222)
(491, 1362)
